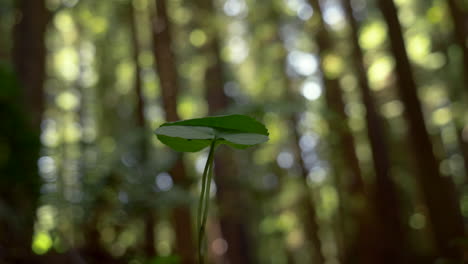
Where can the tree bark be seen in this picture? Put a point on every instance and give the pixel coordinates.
(20, 186)
(307, 203)
(29, 55)
(306, 200)
(438, 192)
(334, 100)
(460, 25)
(341, 138)
(150, 219)
(391, 228)
(229, 194)
(168, 78)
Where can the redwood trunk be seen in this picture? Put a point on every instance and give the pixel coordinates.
(385, 195)
(150, 219)
(229, 194)
(29, 55)
(351, 176)
(438, 192)
(460, 25)
(20, 191)
(167, 73)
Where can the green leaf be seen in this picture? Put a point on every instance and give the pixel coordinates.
(193, 135)
(244, 138)
(188, 132)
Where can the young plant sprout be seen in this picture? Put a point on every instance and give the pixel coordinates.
(193, 135)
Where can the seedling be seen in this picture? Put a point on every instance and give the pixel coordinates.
(193, 135)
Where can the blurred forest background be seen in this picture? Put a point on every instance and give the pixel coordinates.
(365, 101)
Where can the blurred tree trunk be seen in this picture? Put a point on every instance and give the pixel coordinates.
(341, 138)
(306, 200)
(92, 249)
(150, 219)
(29, 55)
(391, 228)
(462, 142)
(333, 97)
(460, 24)
(438, 192)
(229, 194)
(232, 218)
(20, 187)
(167, 73)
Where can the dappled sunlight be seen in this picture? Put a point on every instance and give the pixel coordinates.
(333, 14)
(380, 71)
(42, 243)
(164, 181)
(417, 221)
(67, 100)
(333, 65)
(237, 50)
(419, 46)
(285, 160)
(198, 37)
(373, 35)
(66, 63)
(303, 63)
(235, 8)
(392, 109)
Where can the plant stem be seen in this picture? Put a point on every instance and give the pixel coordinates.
(204, 200)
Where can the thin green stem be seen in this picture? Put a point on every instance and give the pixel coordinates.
(202, 193)
(203, 203)
(208, 192)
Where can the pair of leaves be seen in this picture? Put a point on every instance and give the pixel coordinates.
(193, 135)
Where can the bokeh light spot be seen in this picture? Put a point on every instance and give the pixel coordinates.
(219, 246)
(41, 243)
(285, 160)
(311, 90)
(197, 37)
(417, 221)
(164, 181)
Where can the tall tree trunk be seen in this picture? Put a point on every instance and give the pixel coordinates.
(438, 192)
(150, 219)
(342, 139)
(391, 228)
(167, 73)
(460, 24)
(29, 55)
(20, 186)
(92, 249)
(232, 219)
(334, 100)
(306, 200)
